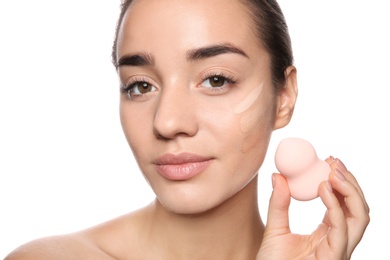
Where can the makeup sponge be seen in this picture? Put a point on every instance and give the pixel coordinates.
(297, 160)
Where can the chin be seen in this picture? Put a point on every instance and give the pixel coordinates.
(190, 202)
(182, 209)
(202, 194)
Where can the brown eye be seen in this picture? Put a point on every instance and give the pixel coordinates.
(143, 87)
(140, 88)
(217, 84)
(217, 81)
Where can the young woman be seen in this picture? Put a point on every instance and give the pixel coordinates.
(203, 86)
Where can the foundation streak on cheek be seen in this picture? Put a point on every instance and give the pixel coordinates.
(249, 100)
(249, 120)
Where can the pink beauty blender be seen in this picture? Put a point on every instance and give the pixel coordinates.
(297, 160)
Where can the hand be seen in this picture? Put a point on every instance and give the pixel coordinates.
(345, 220)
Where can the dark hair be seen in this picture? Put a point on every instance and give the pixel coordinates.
(271, 28)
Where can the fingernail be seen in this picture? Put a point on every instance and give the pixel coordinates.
(340, 175)
(341, 164)
(329, 186)
(331, 158)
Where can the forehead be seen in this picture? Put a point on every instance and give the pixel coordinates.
(176, 24)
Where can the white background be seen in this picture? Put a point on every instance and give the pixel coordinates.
(64, 162)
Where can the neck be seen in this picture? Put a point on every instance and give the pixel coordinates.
(233, 230)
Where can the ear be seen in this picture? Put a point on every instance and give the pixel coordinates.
(286, 98)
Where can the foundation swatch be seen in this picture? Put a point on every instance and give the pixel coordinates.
(248, 101)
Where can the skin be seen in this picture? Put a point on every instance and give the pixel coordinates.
(200, 218)
(211, 118)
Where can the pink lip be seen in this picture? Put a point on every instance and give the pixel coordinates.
(180, 167)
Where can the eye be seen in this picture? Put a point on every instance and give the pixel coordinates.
(215, 82)
(139, 88)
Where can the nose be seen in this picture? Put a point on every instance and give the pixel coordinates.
(175, 114)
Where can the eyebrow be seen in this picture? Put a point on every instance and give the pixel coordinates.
(145, 59)
(139, 59)
(213, 50)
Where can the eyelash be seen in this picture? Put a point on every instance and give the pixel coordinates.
(231, 80)
(125, 89)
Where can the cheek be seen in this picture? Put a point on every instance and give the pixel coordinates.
(256, 131)
(256, 126)
(255, 117)
(246, 121)
(134, 121)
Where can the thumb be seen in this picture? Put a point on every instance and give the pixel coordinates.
(278, 206)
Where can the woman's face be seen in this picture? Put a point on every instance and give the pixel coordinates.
(198, 106)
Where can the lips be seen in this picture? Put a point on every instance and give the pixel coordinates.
(181, 167)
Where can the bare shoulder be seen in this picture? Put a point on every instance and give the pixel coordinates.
(58, 247)
(114, 239)
(122, 237)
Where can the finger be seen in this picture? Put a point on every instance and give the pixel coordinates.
(337, 237)
(349, 176)
(279, 205)
(356, 214)
(333, 165)
(325, 220)
(338, 164)
(330, 159)
(353, 199)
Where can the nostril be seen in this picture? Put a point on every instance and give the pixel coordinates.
(173, 124)
(159, 135)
